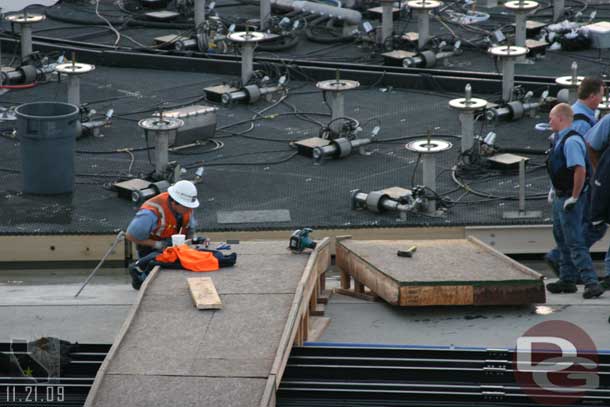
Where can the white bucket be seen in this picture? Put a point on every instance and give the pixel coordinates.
(177, 240)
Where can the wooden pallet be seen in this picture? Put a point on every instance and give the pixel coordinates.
(441, 272)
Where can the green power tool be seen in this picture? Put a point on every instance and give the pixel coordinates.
(300, 240)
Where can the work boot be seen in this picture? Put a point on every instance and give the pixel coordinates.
(605, 282)
(552, 263)
(136, 280)
(593, 290)
(561, 286)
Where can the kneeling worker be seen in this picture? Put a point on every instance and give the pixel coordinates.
(162, 216)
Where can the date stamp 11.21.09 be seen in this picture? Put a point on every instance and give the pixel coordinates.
(41, 393)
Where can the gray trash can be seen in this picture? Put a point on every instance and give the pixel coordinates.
(47, 132)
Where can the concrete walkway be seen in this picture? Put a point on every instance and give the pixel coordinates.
(36, 303)
(358, 321)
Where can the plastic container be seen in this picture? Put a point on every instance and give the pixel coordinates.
(177, 240)
(47, 132)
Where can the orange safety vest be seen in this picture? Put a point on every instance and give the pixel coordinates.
(167, 225)
(190, 259)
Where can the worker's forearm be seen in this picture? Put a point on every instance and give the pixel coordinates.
(593, 156)
(579, 180)
(146, 242)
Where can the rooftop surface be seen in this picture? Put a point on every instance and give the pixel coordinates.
(252, 165)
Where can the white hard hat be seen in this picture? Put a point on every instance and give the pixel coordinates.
(185, 193)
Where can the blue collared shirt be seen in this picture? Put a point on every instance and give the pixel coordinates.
(574, 148)
(598, 136)
(582, 126)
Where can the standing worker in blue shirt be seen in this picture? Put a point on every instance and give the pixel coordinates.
(590, 95)
(597, 140)
(568, 166)
(597, 143)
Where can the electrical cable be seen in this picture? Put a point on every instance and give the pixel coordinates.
(51, 14)
(17, 87)
(214, 164)
(97, 12)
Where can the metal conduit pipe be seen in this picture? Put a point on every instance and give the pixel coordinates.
(339, 148)
(377, 201)
(350, 16)
(199, 14)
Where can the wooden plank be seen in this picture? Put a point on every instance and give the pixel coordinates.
(318, 310)
(345, 279)
(370, 296)
(99, 377)
(369, 275)
(45, 248)
(291, 333)
(419, 296)
(203, 293)
(358, 287)
(322, 284)
(491, 295)
(436, 262)
(268, 399)
(505, 258)
(58, 248)
(317, 325)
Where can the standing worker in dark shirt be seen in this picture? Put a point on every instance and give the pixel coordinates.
(568, 168)
(590, 95)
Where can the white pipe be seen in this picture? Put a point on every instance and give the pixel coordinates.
(199, 13)
(265, 13)
(350, 16)
(387, 20)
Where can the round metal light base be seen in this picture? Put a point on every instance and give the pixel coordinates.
(158, 124)
(74, 69)
(526, 5)
(424, 147)
(25, 19)
(424, 4)
(246, 36)
(567, 82)
(334, 85)
(506, 51)
(472, 104)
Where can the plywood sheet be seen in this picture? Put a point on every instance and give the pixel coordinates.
(434, 295)
(164, 391)
(249, 327)
(438, 262)
(161, 342)
(217, 357)
(253, 274)
(441, 272)
(203, 293)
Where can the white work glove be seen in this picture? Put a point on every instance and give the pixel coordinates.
(550, 196)
(569, 204)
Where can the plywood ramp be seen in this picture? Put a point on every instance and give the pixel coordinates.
(169, 353)
(441, 272)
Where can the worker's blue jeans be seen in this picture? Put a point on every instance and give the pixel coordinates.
(569, 234)
(593, 234)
